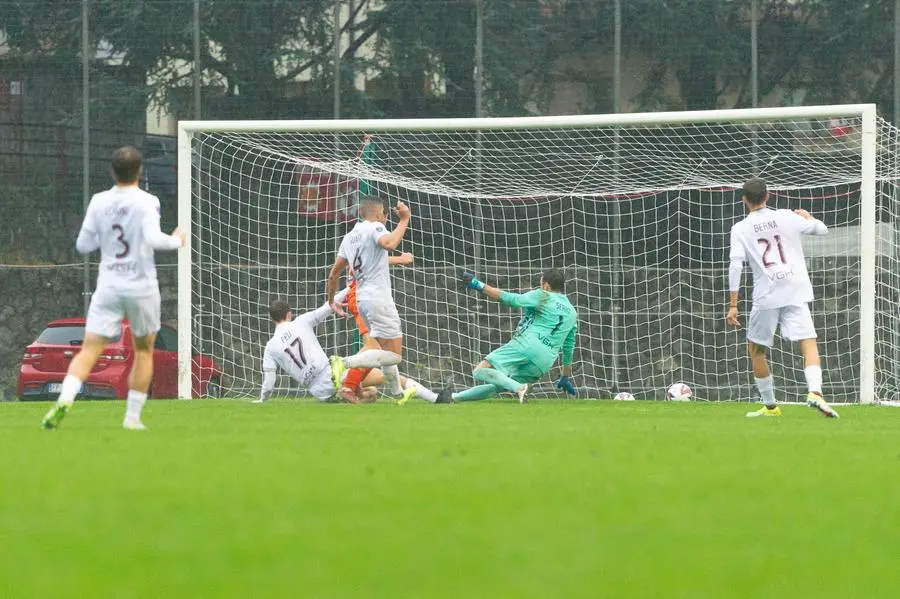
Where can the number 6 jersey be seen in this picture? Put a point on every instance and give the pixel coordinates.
(368, 261)
(770, 240)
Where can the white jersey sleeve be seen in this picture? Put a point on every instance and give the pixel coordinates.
(806, 226)
(738, 253)
(88, 240)
(319, 315)
(153, 236)
(269, 370)
(269, 362)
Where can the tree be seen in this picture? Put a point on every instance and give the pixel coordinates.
(423, 41)
(253, 54)
(811, 47)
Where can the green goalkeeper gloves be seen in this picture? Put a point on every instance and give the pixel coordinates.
(470, 281)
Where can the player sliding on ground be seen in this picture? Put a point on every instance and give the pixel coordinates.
(770, 240)
(295, 349)
(548, 327)
(365, 250)
(123, 223)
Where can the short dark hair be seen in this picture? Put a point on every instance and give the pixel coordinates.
(368, 203)
(278, 310)
(555, 278)
(126, 164)
(754, 191)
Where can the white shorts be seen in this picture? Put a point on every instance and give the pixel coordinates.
(795, 323)
(320, 386)
(381, 318)
(108, 309)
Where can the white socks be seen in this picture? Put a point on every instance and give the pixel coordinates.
(422, 391)
(392, 379)
(70, 388)
(134, 403)
(766, 388)
(372, 358)
(813, 379)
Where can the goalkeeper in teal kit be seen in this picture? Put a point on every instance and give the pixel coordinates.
(547, 328)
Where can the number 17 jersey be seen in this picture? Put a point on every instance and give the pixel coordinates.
(771, 241)
(295, 349)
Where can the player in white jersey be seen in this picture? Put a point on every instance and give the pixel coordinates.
(123, 223)
(295, 350)
(365, 250)
(770, 240)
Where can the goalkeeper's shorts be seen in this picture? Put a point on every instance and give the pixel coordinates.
(353, 308)
(515, 363)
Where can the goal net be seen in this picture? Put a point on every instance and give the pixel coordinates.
(636, 210)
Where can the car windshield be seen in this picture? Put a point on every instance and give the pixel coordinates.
(65, 335)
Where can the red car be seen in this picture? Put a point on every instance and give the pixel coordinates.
(46, 361)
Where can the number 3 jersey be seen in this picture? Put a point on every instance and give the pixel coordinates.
(123, 223)
(770, 240)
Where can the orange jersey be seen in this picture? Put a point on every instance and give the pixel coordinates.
(354, 309)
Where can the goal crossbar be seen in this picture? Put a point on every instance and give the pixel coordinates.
(507, 123)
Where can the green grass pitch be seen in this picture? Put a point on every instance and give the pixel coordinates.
(497, 500)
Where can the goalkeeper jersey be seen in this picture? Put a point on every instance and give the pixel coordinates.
(547, 327)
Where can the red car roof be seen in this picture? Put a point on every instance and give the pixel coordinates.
(75, 320)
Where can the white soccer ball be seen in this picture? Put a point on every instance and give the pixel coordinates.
(679, 392)
(623, 396)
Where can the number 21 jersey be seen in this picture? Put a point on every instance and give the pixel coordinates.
(771, 241)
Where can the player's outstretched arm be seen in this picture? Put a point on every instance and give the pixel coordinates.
(269, 367)
(316, 317)
(532, 299)
(472, 282)
(403, 259)
(334, 277)
(392, 240)
(268, 385)
(812, 226)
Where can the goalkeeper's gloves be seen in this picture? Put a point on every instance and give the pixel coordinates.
(470, 281)
(565, 383)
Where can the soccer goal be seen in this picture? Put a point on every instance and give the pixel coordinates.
(635, 208)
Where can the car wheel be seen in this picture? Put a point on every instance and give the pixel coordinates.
(214, 388)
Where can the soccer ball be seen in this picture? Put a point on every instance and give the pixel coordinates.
(679, 392)
(623, 396)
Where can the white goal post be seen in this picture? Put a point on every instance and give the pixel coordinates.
(633, 207)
